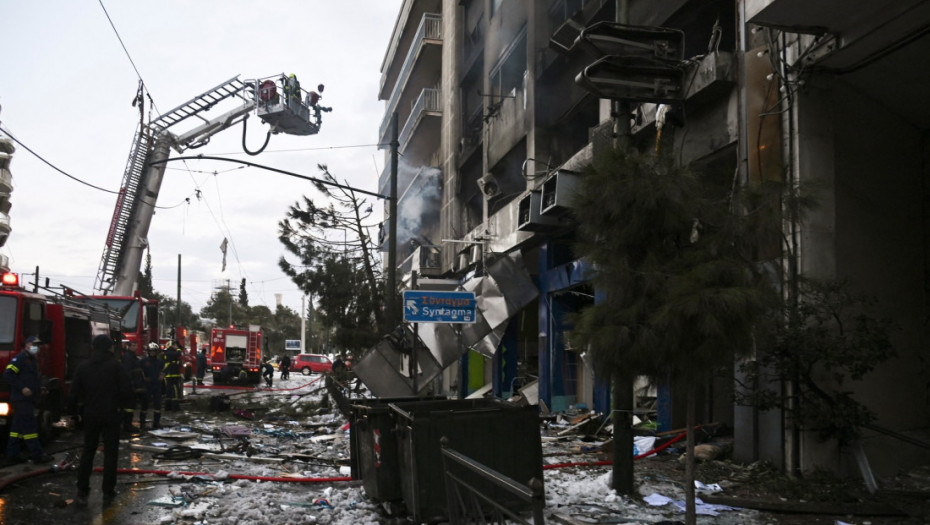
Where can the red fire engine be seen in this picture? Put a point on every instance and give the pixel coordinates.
(66, 329)
(236, 354)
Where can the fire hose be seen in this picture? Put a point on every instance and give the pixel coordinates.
(65, 464)
(648, 453)
(68, 464)
(251, 389)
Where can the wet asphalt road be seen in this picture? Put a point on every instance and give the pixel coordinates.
(47, 497)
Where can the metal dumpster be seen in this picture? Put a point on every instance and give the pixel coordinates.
(494, 433)
(373, 445)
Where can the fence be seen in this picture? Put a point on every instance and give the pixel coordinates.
(474, 493)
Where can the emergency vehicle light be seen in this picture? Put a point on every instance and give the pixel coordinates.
(10, 279)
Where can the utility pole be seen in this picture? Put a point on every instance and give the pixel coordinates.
(390, 294)
(179, 292)
(622, 388)
(303, 324)
(229, 293)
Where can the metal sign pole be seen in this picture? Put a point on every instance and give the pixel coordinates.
(416, 339)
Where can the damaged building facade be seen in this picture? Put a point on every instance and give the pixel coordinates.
(493, 129)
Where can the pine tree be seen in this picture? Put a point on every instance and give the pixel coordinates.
(673, 259)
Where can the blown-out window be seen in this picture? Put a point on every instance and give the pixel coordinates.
(507, 77)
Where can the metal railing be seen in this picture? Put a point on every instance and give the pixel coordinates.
(468, 502)
(427, 101)
(430, 28)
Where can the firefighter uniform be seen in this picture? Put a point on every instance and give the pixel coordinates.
(153, 369)
(132, 367)
(173, 381)
(22, 374)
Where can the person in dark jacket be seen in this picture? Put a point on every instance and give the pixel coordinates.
(285, 367)
(201, 365)
(267, 372)
(173, 382)
(22, 374)
(153, 370)
(100, 391)
(130, 362)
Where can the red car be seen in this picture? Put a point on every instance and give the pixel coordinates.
(308, 364)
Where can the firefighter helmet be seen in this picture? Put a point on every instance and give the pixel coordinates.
(154, 347)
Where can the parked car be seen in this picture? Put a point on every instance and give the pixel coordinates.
(308, 364)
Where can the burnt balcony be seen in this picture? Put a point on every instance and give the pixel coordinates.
(423, 124)
(421, 69)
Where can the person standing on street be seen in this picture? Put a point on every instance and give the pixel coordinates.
(267, 372)
(22, 374)
(130, 362)
(285, 366)
(101, 388)
(201, 366)
(153, 370)
(173, 377)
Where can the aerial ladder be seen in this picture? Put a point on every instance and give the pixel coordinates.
(278, 101)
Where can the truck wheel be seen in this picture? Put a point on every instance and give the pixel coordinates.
(218, 379)
(187, 373)
(306, 371)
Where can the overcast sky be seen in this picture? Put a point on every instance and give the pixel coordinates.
(66, 87)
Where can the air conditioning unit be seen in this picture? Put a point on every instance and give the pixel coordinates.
(564, 36)
(557, 192)
(489, 186)
(529, 217)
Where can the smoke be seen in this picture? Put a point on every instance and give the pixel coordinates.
(418, 206)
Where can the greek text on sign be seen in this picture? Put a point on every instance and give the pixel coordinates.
(424, 306)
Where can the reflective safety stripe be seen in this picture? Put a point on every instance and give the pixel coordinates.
(31, 436)
(12, 367)
(128, 410)
(14, 434)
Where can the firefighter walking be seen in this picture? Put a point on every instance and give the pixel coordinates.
(173, 382)
(22, 374)
(153, 372)
(130, 362)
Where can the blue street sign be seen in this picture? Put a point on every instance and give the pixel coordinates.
(426, 306)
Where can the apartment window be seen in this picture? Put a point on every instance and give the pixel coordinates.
(562, 10)
(507, 77)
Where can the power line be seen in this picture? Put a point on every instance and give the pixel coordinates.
(139, 75)
(54, 167)
(308, 149)
(76, 179)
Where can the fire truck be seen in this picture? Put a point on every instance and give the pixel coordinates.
(278, 101)
(236, 354)
(66, 329)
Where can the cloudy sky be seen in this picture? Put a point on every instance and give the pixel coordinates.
(66, 88)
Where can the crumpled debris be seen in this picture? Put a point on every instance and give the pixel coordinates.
(706, 509)
(701, 487)
(167, 502)
(221, 475)
(322, 502)
(236, 431)
(244, 414)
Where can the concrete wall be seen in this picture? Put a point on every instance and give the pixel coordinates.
(869, 228)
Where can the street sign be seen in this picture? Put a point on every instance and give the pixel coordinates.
(427, 306)
(292, 344)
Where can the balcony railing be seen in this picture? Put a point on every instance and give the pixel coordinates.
(427, 101)
(430, 28)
